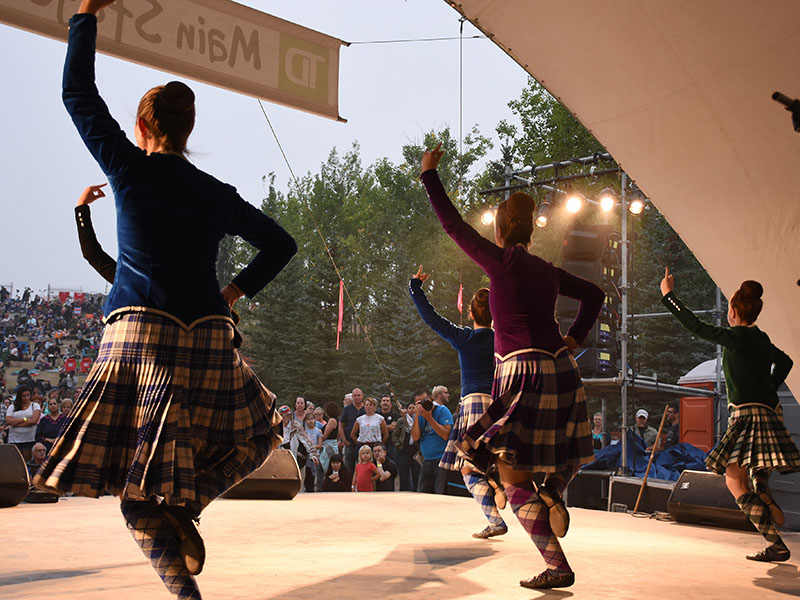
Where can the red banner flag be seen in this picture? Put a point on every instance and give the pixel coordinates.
(79, 297)
(341, 312)
(460, 302)
(63, 297)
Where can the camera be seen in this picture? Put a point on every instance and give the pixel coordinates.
(427, 404)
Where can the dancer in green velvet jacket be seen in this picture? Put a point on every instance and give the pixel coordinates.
(756, 442)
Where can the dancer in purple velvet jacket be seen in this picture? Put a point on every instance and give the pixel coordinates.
(537, 421)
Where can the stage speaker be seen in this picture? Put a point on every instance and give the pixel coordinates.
(276, 479)
(589, 489)
(14, 482)
(701, 497)
(455, 485)
(624, 491)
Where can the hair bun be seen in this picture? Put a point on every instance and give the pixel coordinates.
(751, 289)
(176, 97)
(520, 206)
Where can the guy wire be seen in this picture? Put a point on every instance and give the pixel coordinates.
(318, 229)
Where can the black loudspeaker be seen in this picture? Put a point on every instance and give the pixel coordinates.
(596, 362)
(701, 497)
(625, 490)
(587, 242)
(276, 479)
(14, 482)
(455, 485)
(589, 489)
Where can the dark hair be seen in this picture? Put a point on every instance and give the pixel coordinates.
(515, 219)
(479, 307)
(419, 392)
(746, 301)
(332, 410)
(381, 445)
(169, 112)
(18, 398)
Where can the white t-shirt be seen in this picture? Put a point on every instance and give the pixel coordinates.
(20, 435)
(369, 428)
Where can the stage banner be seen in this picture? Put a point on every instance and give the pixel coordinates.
(214, 41)
(63, 297)
(79, 297)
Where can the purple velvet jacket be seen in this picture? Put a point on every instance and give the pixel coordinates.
(524, 287)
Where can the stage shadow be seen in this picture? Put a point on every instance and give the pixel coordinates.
(783, 579)
(406, 572)
(46, 575)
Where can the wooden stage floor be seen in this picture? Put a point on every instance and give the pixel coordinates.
(382, 546)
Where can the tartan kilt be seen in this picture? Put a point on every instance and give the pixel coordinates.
(160, 409)
(537, 420)
(470, 409)
(756, 438)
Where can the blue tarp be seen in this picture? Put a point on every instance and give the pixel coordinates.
(668, 464)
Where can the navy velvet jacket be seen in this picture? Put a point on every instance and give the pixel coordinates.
(171, 216)
(475, 346)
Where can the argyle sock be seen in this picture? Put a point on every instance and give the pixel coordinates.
(758, 514)
(483, 493)
(535, 519)
(159, 542)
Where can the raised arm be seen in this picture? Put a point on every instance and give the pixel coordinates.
(483, 252)
(90, 248)
(275, 247)
(451, 332)
(102, 135)
(719, 335)
(591, 298)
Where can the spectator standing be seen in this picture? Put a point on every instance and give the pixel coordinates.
(406, 450)
(66, 406)
(349, 415)
(431, 427)
(337, 477)
(329, 435)
(38, 456)
(300, 409)
(386, 472)
(597, 431)
(391, 416)
(363, 478)
(370, 428)
(313, 468)
(49, 427)
(22, 418)
(642, 430)
(672, 433)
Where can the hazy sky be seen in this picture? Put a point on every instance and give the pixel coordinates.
(391, 94)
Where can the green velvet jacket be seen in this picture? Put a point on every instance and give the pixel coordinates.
(754, 368)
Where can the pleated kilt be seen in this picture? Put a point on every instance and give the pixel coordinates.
(161, 407)
(537, 420)
(470, 409)
(756, 438)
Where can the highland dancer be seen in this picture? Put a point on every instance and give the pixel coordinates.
(537, 420)
(475, 347)
(170, 416)
(756, 441)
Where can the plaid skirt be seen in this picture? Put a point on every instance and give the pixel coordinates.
(537, 420)
(470, 409)
(161, 408)
(756, 438)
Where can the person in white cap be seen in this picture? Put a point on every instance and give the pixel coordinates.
(643, 430)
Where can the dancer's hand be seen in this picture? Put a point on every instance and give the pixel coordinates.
(668, 283)
(420, 275)
(93, 6)
(431, 158)
(91, 193)
(570, 343)
(231, 293)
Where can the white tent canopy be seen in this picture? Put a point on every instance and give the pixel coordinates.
(680, 94)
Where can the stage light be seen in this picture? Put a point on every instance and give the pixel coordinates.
(543, 212)
(574, 203)
(636, 206)
(487, 218)
(607, 200)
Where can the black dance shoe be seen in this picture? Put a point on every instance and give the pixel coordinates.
(549, 579)
(774, 553)
(559, 517)
(193, 550)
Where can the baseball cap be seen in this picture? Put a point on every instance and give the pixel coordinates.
(642, 413)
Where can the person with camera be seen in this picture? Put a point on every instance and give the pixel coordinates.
(431, 427)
